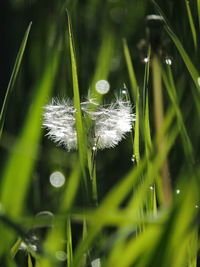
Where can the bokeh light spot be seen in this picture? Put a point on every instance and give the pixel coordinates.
(57, 179)
(102, 87)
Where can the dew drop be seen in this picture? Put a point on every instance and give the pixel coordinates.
(61, 255)
(22, 246)
(96, 263)
(178, 191)
(46, 219)
(151, 188)
(133, 159)
(124, 91)
(94, 148)
(57, 179)
(102, 87)
(196, 206)
(168, 61)
(146, 60)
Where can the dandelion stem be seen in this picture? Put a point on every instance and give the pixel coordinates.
(159, 118)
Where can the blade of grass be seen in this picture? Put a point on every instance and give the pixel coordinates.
(191, 22)
(13, 77)
(16, 176)
(159, 119)
(81, 136)
(136, 97)
(198, 9)
(69, 244)
(190, 66)
(170, 86)
(30, 264)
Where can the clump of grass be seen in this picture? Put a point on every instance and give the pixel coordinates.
(146, 218)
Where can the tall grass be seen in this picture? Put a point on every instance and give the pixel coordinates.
(129, 224)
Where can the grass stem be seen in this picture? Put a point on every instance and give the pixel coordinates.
(159, 119)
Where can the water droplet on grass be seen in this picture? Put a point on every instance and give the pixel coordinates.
(151, 188)
(133, 159)
(57, 179)
(102, 87)
(61, 255)
(45, 219)
(168, 61)
(178, 191)
(146, 60)
(124, 91)
(94, 148)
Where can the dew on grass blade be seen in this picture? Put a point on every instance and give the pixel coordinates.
(57, 179)
(94, 148)
(178, 191)
(196, 206)
(124, 91)
(133, 159)
(61, 255)
(146, 60)
(151, 188)
(168, 61)
(31, 242)
(45, 219)
(102, 87)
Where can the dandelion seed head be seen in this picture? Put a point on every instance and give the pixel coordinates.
(111, 123)
(59, 120)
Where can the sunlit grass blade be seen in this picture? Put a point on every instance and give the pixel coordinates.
(15, 247)
(13, 77)
(17, 172)
(191, 22)
(170, 86)
(30, 264)
(136, 97)
(69, 244)
(81, 135)
(190, 66)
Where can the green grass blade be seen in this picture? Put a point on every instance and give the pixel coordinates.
(130, 71)
(69, 244)
(198, 9)
(81, 136)
(13, 76)
(17, 172)
(190, 66)
(136, 97)
(191, 22)
(30, 264)
(170, 86)
(16, 175)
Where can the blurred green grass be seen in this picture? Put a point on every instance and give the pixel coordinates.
(131, 226)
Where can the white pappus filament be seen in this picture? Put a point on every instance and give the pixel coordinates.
(110, 123)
